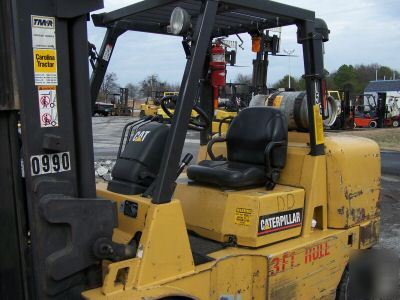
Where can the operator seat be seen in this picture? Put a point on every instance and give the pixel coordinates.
(256, 144)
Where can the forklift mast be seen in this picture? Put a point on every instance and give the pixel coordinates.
(48, 184)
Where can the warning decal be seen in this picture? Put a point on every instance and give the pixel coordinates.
(318, 125)
(242, 216)
(43, 32)
(107, 52)
(48, 106)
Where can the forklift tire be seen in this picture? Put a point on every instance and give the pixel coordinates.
(395, 123)
(142, 114)
(373, 274)
(343, 289)
(373, 124)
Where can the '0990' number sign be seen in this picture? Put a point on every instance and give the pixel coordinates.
(50, 163)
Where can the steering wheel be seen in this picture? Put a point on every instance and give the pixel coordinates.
(200, 123)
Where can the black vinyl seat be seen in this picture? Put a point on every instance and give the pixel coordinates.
(256, 147)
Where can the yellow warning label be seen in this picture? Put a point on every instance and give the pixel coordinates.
(318, 125)
(242, 216)
(277, 101)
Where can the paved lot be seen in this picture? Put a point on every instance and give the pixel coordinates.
(107, 135)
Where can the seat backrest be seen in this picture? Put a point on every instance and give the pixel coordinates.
(140, 161)
(250, 133)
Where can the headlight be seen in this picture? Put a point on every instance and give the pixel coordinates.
(179, 22)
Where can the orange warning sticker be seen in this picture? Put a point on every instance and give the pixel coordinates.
(318, 125)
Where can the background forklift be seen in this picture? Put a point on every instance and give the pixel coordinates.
(279, 218)
(375, 113)
(345, 119)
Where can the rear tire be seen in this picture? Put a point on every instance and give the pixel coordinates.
(372, 274)
(373, 124)
(343, 289)
(142, 114)
(395, 123)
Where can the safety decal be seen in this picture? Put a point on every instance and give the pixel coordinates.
(43, 32)
(318, 125)
(242, 216)
(280, 221)
(48, 106)
(50, 163)
(107, 52)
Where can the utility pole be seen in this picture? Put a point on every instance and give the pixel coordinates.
(289, 54)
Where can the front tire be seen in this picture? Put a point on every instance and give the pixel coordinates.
(395, 123)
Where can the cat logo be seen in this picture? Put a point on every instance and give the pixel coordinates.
(140, 136)
(280, 221)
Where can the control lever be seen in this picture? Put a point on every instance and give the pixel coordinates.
(185, 161)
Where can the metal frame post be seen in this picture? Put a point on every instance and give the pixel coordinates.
(82, 110)
(381, 109)
(313, 68)
(206, 102)
(188, 91)
(15, 273)
(260, 68)
(102, 62)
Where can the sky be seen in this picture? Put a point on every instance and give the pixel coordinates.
(362, 32)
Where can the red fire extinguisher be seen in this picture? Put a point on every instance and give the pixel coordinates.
(218, 70)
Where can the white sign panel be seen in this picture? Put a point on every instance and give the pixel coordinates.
(43, 32)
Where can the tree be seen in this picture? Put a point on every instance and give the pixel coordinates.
(133, 90)
(109, 86)
(243, 79)
(152, 85)
(294, 83)
(345, 78)
(385, 73)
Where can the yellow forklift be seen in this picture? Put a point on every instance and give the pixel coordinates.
(152, 105)
(265, 213)
(149, 108)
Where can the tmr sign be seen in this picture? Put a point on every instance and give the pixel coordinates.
(42, 22)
